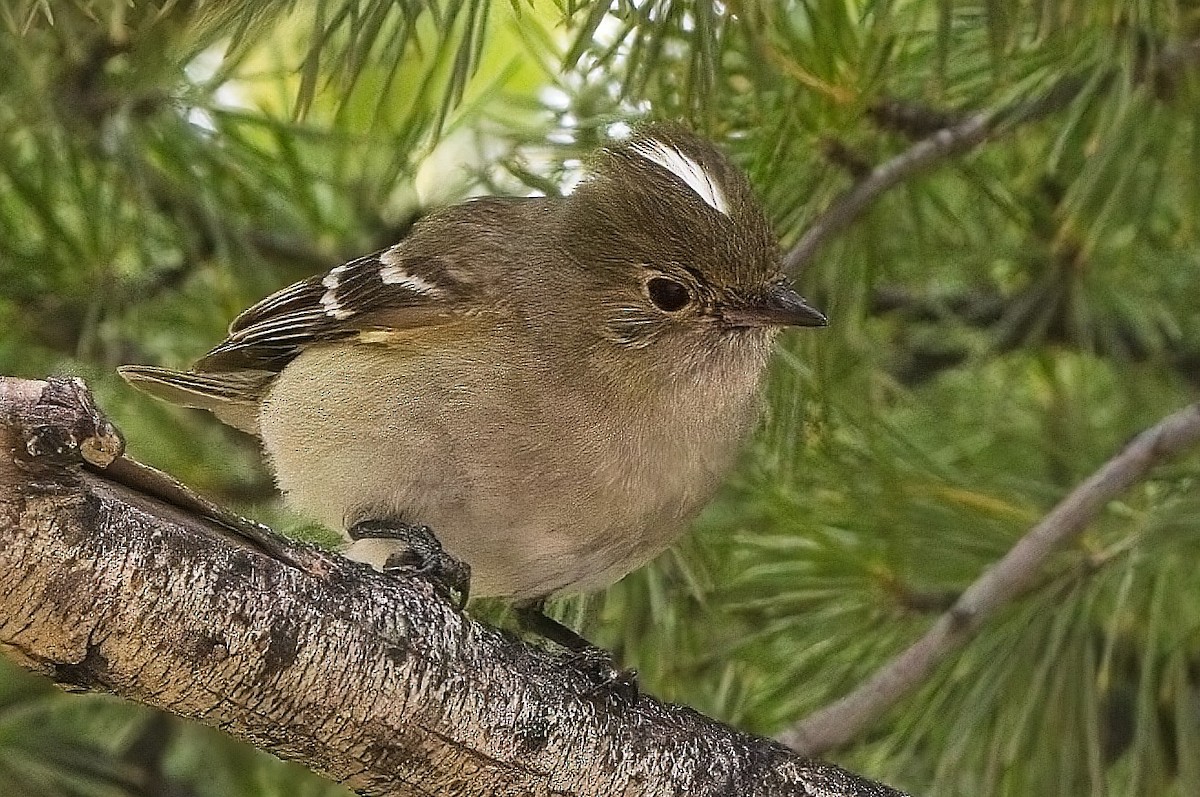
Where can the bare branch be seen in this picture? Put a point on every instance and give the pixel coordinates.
(836, 724)
(949, 142)
(116, 578)
(918, 158)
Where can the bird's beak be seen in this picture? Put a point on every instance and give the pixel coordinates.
(778, 306)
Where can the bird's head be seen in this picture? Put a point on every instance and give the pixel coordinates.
(679, 251)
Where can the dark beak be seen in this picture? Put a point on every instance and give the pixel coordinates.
(779, 306)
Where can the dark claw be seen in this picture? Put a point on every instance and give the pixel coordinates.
(422, 556)
(449, 576)
(595, 662)
(608, 679)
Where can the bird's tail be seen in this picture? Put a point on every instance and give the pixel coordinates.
(233, 397)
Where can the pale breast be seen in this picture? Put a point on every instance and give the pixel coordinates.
(539, 490)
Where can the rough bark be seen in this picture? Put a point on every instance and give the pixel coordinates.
(116, 578)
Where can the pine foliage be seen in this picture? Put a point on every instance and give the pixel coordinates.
(1001, 324)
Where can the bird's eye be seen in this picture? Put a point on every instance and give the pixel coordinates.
(668, 295)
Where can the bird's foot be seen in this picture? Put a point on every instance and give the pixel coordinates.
(420, 555)
(607, 677)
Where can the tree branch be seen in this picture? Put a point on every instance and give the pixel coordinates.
(116, 578)
(836, 724)
(956, 139)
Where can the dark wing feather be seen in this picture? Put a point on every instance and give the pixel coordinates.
(386, 290)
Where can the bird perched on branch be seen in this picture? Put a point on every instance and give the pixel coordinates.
(551, 388)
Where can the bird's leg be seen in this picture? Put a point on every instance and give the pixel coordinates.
(596, 662)
(421, 555)
(532, 617)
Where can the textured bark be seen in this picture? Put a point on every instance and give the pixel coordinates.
(115, 578)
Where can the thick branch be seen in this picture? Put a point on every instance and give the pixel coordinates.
(116, 579)
(952, 141)
(836, 724)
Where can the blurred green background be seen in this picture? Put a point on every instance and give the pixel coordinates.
(999, 327)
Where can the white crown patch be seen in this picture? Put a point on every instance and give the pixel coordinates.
(693, 175)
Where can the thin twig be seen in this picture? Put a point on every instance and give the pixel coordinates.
(918, 158)
(841, 721)
(949, 142)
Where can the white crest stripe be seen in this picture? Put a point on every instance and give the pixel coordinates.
(691, 173)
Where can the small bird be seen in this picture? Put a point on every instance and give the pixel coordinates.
(555, 386)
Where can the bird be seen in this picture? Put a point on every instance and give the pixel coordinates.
(547, 389)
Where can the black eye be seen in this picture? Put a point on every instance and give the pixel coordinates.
(668, 295)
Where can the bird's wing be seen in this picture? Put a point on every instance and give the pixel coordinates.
(368, 298)
(233, 397)
(435, 277)
(374, 299)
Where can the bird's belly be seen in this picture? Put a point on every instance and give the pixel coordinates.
(533, 511)
(533, 539)
(500, 568)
